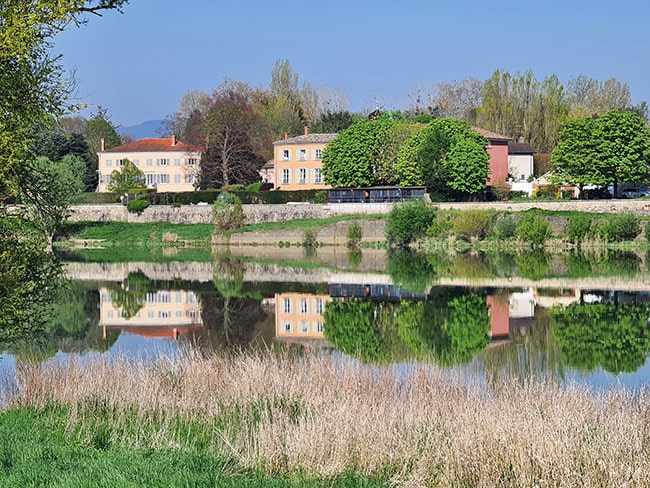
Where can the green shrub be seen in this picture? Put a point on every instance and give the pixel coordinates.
(95, 198)
(409, 221)
(137, 206)
(471, 224)
(619, 227)
(578, 228)
(228, 212)
(309, 239)
(354, 235)
(533, 229)
(439, 228)
(550, 191)
(506, 227)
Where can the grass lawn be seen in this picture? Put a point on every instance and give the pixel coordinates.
(36, 452)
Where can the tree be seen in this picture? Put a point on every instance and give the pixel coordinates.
(589, 97)
(230, 126)
(129, 178)
(364, 154)
(32, 84)
(611, 149)
(447, 156)
(49, 187)
(457, 99)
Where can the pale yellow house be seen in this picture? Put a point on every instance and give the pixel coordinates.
(168, 164)
(298, 161)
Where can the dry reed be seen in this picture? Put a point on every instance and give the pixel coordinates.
(325, 415)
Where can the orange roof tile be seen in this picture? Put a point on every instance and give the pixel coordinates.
(154, 145)
(490, 135)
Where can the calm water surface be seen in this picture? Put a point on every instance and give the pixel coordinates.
(486, 323)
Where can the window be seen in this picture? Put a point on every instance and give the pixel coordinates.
(179, 297)
(286, 325)
(177, 162)
(286, 156)
(302, 175)
(150, 314)
(162, 178)
(318, 154)
(119, 163)
(304, 326)
(150, 179)
(522, 177)
(164, 297)
(109, 163)
(190, 179)
(164, 314)
(136, 162)
(191, 161)
(149, 162)
(191, 314)
(191, 297)
(286, 179)
(106, 179)
(177, 179)
(106, 297)
(318, 327)
(179, 314)
(110, 314)
(318, 175)
(162, 162)
(286, 305)
(319, 306)
(302, 155)
(303, 305)
(151, 298)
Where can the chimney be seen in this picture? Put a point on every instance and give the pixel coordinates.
(102, 145)
(173, 139)
(307, 130)
(286, 136)
(521, 139)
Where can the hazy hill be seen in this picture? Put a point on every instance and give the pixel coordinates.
(143, 130)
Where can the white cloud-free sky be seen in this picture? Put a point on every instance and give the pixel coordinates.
(140, 63)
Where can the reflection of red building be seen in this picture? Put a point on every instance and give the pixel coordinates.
(499, 307)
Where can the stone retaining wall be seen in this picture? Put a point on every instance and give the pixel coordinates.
(194, 214)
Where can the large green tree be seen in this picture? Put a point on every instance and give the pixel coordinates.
(33, 87)
(128, 178)
(447, 156)
(49, 187)
(364, 154)
(610, 149)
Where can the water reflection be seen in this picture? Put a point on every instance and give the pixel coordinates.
(472, 311)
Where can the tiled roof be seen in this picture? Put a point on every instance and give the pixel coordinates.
(154, 145)
(308, 139)
(520, 148)
(490, 135)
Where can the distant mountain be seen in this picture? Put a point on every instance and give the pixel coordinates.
(142, 131)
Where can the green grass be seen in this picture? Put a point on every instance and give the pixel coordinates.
(36, 452)
(137, 233)
(307, 223)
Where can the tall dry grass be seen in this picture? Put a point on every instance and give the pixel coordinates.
(325, 415)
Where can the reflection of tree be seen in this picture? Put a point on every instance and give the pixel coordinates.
(534, 265)
(410, 270)
(364, 329)
(447, 331)
(29, 281)
(531, 352)
(230, 315)
(450, 334)
(613, 337)
(130, 296)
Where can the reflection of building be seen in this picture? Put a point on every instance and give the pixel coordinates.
(299, 316)
(164, 313)
(507, 311)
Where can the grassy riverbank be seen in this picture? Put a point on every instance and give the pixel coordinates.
(315, 421)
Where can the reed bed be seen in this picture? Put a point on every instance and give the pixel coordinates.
(326, 415)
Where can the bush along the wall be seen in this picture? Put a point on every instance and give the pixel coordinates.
(354, 235)
(619, 227)
(578, 228)
(137, 206)
(533, 229)
(471, 224)
(245, 196)
(409, 221)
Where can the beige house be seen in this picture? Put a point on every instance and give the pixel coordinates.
(299, 316)
(298, 161)
(167, 163)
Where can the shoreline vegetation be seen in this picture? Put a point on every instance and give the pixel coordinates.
(276, 420)
(450, 230)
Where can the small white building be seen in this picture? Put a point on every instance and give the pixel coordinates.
(520, 165)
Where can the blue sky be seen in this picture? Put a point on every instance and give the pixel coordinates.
(139, 64)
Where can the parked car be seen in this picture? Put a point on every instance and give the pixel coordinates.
(634, 193)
